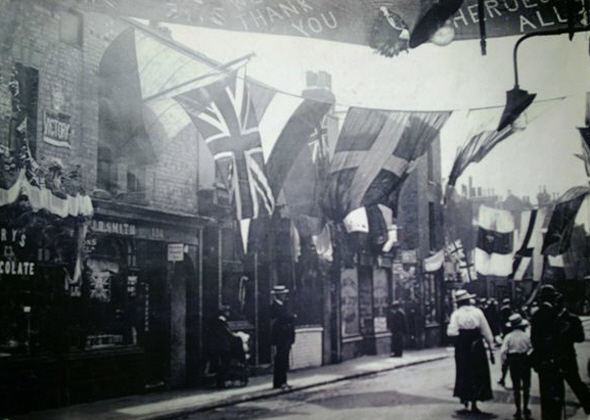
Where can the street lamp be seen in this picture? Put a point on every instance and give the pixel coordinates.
(518, 100)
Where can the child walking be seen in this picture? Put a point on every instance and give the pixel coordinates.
(514, 352)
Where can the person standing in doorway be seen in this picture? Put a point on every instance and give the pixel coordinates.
(282, 335)
(398, 325)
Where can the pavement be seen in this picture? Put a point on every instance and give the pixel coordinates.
(173, 404)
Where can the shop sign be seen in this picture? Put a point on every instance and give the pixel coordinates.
(118, 228)
(11, 238)
(175, 252)
(57, 129)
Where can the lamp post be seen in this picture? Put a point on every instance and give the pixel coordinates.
(518, 100)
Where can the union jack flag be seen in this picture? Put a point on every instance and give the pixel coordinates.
(224, 114)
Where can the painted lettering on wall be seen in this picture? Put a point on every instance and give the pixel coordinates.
(125, 229)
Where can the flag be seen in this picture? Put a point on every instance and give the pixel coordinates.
(375, 152)
(529, 243)
(323, 244)
(482, 135)
(458, 263)
(139, 73)
(493, 254)
(287, 124)
(467, 271)
(224, 114)
(434, 262)
(559, 232)
(585, 155)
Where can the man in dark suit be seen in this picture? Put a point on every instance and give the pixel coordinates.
(282, 335)
(398, 325)
(571, 331)
(544, 338)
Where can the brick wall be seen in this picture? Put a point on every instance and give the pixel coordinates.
(69, 83)
(307, 350)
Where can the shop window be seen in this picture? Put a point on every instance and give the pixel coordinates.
(70, 28)
(136, 180)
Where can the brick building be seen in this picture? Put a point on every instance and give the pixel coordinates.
(112, 305)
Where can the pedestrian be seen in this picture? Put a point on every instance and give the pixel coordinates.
(544, 337)
(282, 335)
(470, 328)
(515, 354)
(505, 314)
(398, 325)
(570, 331)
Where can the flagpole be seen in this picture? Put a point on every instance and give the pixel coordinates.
(256, 333)
(224, 68)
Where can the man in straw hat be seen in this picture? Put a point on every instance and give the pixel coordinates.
(470, 329)
(282, 335)
(514, 353)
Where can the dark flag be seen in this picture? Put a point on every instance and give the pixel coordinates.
(559, 232)
(493, 255)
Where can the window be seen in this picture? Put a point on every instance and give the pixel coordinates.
(107, 170)
(70, 28)
(136, 180)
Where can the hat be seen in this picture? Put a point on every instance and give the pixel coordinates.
(505, 301)
(279, 289)
(516, 320)
(395, 303)
(547, 291)
(461, 295)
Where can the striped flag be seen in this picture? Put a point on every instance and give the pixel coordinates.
(375, 152)
(458, 261)
(529, 243)
(493, 254)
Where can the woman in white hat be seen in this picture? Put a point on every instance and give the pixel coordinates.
(470, 328)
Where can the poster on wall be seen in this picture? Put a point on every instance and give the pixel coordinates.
(350, 302)
(57, 129)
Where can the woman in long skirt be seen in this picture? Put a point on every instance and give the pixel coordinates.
(470, 329)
